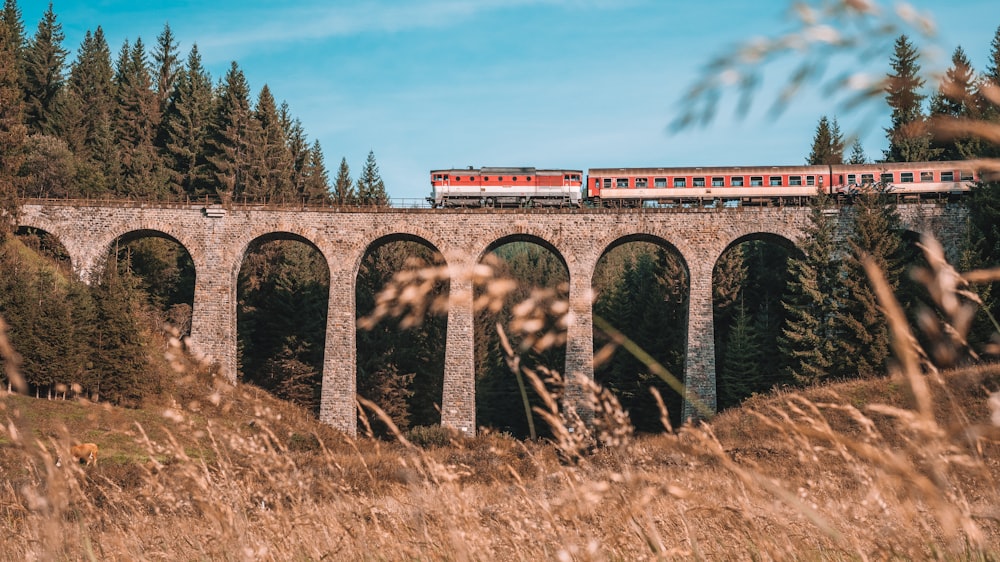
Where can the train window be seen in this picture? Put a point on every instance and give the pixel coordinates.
(906, 177)
(794, 180)
(513, 178)
(867, 179)
(718, 182)
(500, 178)
(660, 182)
(756, 181)
(736, 181)
(887, 178)
(607, 183)
(966, 175)
(680, 182)
(926, 176)
(852, 179)
(774, 181)
(575, 177)
(621, 182)
(810, 180)
(698, 182)
(641, 182)
(947, 176)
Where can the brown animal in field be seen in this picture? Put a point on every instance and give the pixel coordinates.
(85, 452)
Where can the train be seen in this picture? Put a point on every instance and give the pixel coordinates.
(693, 186)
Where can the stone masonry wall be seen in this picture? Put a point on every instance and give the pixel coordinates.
(217, 240)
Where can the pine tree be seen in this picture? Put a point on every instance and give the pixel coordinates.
(316, 186)
(370, 188)
(806, 341)
(739, 373)
(120, 369)
(991, 79)
(909, 138)
(44, 60)
(87, 109)
(298, 147)
(956, 99)
(185, 127)
(863, 342)
(15, 40)
(343, 186)
(273, 165)
(233, 138)
(12, 131)
(166, 63)
(828, 144)
(135, 121)
(858, 155)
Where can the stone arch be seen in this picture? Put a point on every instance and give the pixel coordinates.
(779, 239)
(424, 405)
(388, 236)
(298, 375)
(748, 318)
(663, 339)
(524, 237)
(47, 242)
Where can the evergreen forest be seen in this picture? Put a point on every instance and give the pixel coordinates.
(148, 122)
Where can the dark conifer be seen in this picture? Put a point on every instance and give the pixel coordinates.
(956, 99)
(166, 63)
(136, 119)
(316, 186)
(12, 132)
(863, 335)
(858, 155)
(828, 144)
(343, 186)
(185, 128)
(909, 137)
(44, 61)
(87, 115)
(298, 147)
(807, 337)
(370, 187)
(273, 166)
(233, 138)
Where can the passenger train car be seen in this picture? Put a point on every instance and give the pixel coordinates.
(637, 187)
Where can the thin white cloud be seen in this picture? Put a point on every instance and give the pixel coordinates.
(281, 24)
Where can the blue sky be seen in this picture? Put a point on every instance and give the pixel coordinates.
(431, 84)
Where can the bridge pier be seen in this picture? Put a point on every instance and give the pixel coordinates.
(579, 342)
(338, 403)
(699, 364)
(458, 398)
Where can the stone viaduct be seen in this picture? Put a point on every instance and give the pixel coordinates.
(217, 239)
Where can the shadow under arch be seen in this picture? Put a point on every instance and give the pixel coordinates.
(531, 321)
(282, 302)
(401, 359)
(45, 243)
(641, 285)
(165, 268)
(749, 288)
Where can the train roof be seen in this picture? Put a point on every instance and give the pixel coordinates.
(732, 170)
(505, 170)
(707, 170)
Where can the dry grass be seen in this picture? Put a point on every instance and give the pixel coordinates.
(905, 467)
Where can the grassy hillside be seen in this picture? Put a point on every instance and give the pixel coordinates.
(220, 472)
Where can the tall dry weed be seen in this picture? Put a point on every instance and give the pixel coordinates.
(227, 473)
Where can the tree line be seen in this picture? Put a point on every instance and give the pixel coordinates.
(143, 123)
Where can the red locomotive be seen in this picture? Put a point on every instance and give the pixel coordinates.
(731, 186)
(505, 187)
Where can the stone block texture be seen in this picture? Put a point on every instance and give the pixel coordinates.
(218, 242)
